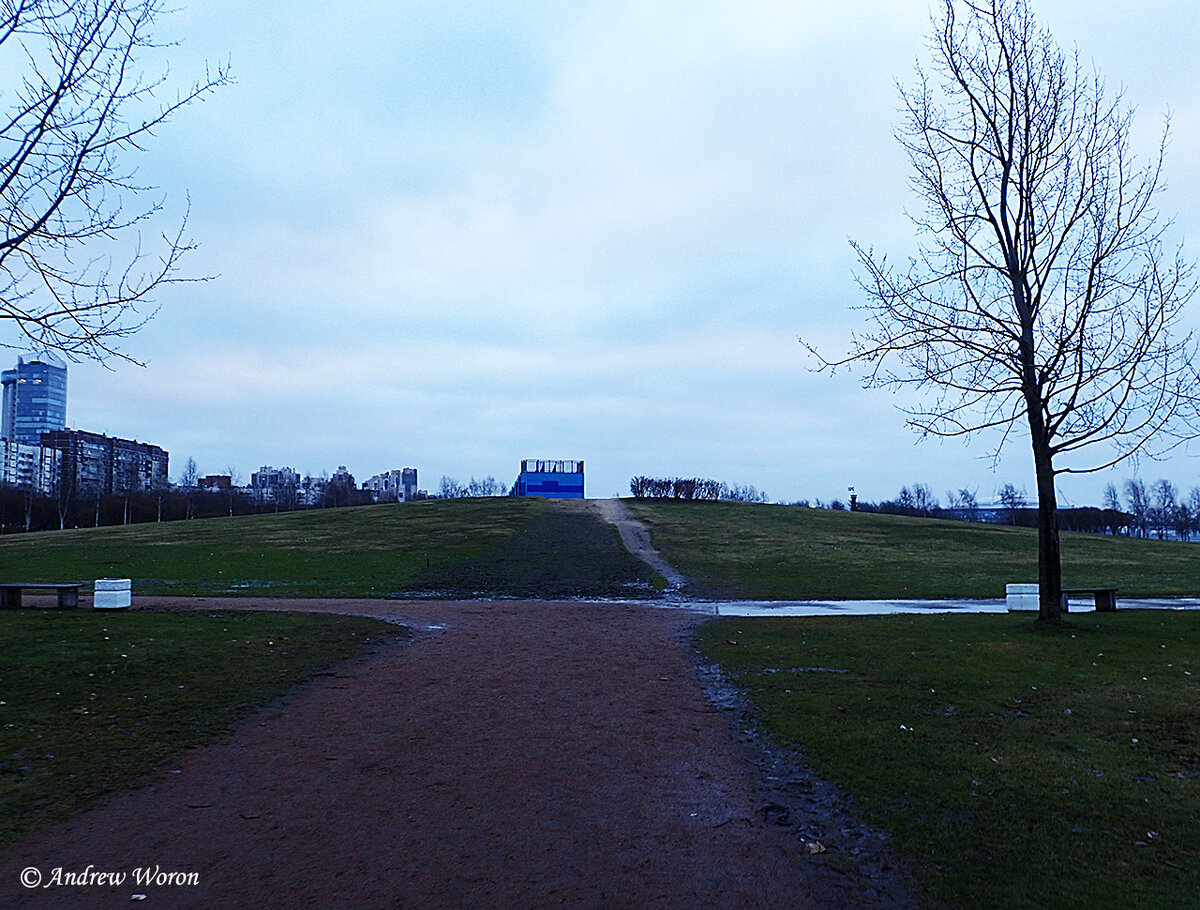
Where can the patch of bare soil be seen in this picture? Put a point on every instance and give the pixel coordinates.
(513, 754)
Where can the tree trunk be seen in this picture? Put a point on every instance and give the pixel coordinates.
(1049, 549)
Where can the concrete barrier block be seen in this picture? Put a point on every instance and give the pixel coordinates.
(112, 594)
(1021, 598)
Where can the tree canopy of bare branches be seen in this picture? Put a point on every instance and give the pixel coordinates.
(1042, 299)
(74, 274)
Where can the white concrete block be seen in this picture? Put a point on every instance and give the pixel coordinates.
(1021, 598)
(112, 594)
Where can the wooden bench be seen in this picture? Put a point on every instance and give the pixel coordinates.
(10, 593)
(1105, 598)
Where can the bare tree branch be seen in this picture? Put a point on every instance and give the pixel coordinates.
(74, 276)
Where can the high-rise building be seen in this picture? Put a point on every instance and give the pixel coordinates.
(96, 465)
(35, 399)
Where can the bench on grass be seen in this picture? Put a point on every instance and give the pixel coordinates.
(1104, 598)
(1024, 598)
(10, 593)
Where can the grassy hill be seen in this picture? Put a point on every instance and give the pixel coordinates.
(543, 548)
(770, 552)
(499, 546)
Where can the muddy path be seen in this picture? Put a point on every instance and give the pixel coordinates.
(513, 754)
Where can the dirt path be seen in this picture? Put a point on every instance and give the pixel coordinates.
(636, 537)
(512, 755)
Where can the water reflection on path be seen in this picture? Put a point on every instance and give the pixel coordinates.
(850, 607)
(882, 607)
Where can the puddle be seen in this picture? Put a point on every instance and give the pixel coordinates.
(888, 607)
(853, 607)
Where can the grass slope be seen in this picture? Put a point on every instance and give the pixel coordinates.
(94, 701)
(500, 546)
(772, 552)
(1017, 767)
(545, 548)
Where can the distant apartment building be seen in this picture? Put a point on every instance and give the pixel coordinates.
(29, 467)
(92, 464)
(35, 399)
(562, 479)
(399, 485)
(278, 485)
(340, 490)
(215, 483)
(312, 491)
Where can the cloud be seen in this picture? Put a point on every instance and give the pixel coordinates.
(456, 235)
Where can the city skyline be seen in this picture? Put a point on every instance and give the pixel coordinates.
(390, 484)
(463, 237)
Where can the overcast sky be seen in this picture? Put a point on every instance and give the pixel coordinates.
(454, 235)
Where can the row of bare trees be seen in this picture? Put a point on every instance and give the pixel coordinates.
(1011, 507)
(23, 510)
(451, 488)
(693, 488)
(1159, 510)
(1135, 508)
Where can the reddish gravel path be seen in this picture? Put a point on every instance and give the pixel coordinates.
(522, 755)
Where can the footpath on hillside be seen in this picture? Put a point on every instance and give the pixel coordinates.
(636, 537)
(513, 754)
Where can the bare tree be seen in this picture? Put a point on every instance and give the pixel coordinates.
(1193, 504)
(235, 477)
(1139, 505)
(451, 488)
(1164, 503)
(1181, 521)
(966, 502)
(74, 275)
(923, 499)
(1012, 499)
(189, 480)
(1112, 499)
(190, 475)
(1041, 298)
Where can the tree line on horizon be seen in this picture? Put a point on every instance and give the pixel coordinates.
(1134, 510)
(23, 510)
(689, 489)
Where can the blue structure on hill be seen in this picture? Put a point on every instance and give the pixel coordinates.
(555, 479)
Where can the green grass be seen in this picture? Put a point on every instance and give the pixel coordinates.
(93, 702)
(501, 546)
(545, 548)
(768, 552)
(1016, 767)
(561, 551)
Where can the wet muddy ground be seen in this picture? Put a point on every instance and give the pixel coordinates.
(513, 754)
